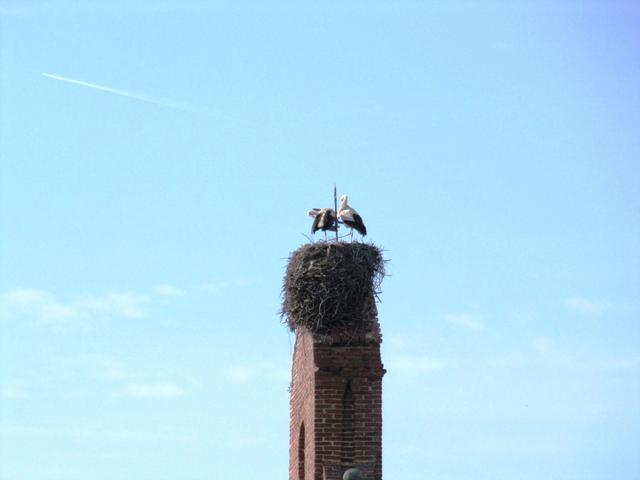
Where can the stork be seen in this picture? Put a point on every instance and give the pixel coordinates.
(350, 217)
(324, 219)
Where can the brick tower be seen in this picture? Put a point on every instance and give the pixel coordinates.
(336, 401)
(335, 408)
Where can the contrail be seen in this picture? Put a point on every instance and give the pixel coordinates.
(123, 93)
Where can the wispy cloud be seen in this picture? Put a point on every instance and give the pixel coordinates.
(466, 320)
(78, 310)
(153, 390)
(164, 102)
(585, 306)
(47, 308)
(142, 383)
(165, 290)
(120, 304)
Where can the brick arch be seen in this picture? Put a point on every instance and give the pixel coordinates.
(348, 447)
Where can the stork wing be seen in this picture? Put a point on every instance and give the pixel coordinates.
(358, 224)
(316, 223)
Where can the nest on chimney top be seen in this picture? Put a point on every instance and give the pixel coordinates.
(331, 288)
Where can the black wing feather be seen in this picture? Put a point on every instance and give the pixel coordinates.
(358, 224)
(328, 221)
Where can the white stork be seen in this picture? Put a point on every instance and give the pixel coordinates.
(350, 217)
(324, 219)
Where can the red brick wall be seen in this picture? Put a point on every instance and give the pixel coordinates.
(301, 405)
(337, 393)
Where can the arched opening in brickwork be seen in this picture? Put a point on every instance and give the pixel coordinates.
(348, 449)
(301, 458)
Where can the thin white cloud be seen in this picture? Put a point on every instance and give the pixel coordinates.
(75, 310)
(138, 383)
(78, 311)
(165, 290)
(164, 102)
(36, 304)
(585, 306)
(466, 320)
(119, 304)
(26, 296)
(153, 390)
(49, 309)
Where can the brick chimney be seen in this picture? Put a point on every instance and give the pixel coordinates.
(336, 406)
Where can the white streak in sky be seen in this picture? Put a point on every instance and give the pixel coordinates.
(123, 93)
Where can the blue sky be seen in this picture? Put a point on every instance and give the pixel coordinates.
(154, 181)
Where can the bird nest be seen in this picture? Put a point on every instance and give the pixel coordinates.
(331, 287)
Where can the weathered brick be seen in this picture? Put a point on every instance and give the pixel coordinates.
(337, 396)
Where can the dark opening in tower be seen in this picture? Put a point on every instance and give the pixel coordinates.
(348, 451)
